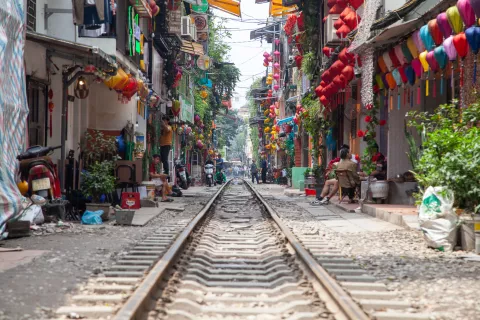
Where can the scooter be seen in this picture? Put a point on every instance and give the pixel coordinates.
(37, 168)
(209, 174)
(182, 176)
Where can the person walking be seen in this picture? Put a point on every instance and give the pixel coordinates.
(165, 143)
(264, 170)
(254, 171)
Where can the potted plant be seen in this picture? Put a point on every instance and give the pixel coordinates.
(97, 182)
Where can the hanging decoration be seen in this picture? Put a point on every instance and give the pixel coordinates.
(454, 19)
(473, 37)
(435, 32)
(466, 12)
(461, 46)
(425, 66)
(442, 60)
(452, 56)
(444, 25)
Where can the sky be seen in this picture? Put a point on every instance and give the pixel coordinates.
(247, 55)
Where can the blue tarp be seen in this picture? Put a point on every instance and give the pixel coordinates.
(285, 120)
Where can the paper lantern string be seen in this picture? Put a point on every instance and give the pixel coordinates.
(398, 99)
(441, 85)
(418, 93)
(452, 80)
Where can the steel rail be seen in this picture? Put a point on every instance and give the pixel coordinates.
(136, 304)
(346, 304)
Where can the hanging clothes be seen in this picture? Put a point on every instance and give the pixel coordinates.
(79, 6)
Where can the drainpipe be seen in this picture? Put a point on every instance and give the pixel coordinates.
(68, 77)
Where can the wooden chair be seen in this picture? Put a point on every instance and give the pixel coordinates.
(126, 177)
(346, 182)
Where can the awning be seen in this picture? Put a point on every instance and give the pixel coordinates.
(75, 51)
(393, 33)
(192, 48)
(277, 9)
(229, 6)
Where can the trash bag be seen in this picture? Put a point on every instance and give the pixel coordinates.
(437, 219)
(33, 214)
(92, 217)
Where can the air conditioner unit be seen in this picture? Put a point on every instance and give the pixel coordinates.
(189, 29)
(331, 37)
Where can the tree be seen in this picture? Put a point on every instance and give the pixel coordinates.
(228, 126)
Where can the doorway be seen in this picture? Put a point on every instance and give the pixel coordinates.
(38, 112)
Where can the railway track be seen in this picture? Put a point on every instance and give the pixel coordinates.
(235, 260)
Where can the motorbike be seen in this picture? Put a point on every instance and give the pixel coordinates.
(181, 174)
(209, 175)
(37, 168)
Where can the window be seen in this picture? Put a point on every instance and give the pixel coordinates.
(31, 11)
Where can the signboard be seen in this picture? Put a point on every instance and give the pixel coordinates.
(186, 110)
(201, 22)
(203, 62)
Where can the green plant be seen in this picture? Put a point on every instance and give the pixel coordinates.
(414, 152)
(368, 163)
(98, 180)
(309, 64)
(96, 146)
(307, 172)
(451, 152)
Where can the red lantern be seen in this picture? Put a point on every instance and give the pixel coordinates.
(393, 57)
(331, 3)
(338, 81)
(382, 122)
(338, 24)
(348, 73)
(324, 100)
(336, 9)
(461, 44)
(298, 61)
(345, 56)
(327, 51)
(346, 12)
(319, 91)
(403, 75)
(352, 20)
(343, 31)
(327, 75)
(337, 67)
(356, 3)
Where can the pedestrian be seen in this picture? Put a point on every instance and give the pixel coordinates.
(165, 143)
(160, 179)
(254, 171)
(219, 163)
(264, 170)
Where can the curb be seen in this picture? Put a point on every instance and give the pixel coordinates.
(408, 222)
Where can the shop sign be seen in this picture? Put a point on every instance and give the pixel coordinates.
(201, 22)
(203, 62)
(135, 41)
(186, 110)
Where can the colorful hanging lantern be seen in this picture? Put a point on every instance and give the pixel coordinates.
(475, 6)
(455, 19)
(348, 73)
(276, 87)
(327, 51)
(397, 77)
(473, 37)
(435, 32)
(442, 60)
(427, 38)
(346, 12)
(403, 75)
(378, 80)
(337, 67)
(399, 53)
(461, 44)
(412, 47)
(276, 53)
(391, 81)
(466, 12)
(276, 76)
(382, 65)
(323, 101)
(352, 20)
(393, 57)
(176, 108)
(450, 49)
(418, 41)
(343, 31)
(406, 52)
(444, 25)
(388, 61)
(432, 62)
(410, 73)
(266, 55)
(338, 24)
(423, 59)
